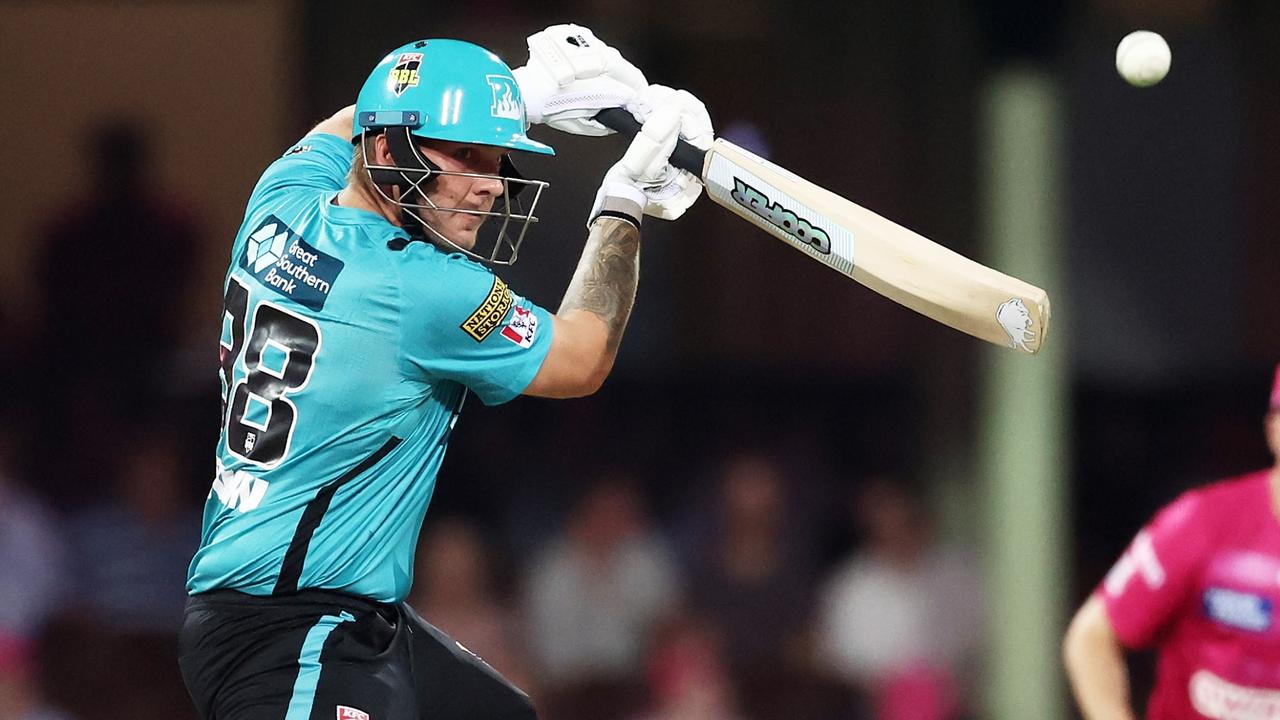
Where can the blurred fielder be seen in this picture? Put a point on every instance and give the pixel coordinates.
(357, 316)
(1200, 583)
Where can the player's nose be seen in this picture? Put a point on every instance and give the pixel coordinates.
(488, 186)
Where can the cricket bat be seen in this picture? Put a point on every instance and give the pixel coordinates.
(902, 265)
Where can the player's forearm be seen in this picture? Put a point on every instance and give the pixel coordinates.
(1095, 664)
(604, 283)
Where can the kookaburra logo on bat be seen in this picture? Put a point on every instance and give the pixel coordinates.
(777, 215)
(1015, 318)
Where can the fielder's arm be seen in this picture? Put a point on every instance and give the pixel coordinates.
(1095, 664)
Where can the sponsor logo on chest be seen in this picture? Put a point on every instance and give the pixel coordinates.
(281, 260)
(1214, 697)
(1240, 610)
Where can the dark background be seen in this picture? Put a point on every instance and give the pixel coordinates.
(1170, 275)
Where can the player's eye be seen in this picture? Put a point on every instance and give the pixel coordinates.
(465, 154)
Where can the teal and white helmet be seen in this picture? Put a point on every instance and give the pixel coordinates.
(452, 90)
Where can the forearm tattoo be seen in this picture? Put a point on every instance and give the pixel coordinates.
(605, 282)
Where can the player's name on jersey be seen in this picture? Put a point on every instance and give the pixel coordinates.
(283, 261)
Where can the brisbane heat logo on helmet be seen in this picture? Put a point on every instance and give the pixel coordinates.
(405, 73)
(505, 104)
(1014, 317)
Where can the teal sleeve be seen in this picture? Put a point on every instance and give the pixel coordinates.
(461, 322)
(317, 161)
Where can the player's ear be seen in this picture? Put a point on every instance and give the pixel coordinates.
(381, 154)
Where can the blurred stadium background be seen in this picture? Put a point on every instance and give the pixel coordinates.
(793, 499)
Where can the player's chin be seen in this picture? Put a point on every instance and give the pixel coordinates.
(465, 239)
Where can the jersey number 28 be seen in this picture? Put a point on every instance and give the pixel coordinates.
(258, 416)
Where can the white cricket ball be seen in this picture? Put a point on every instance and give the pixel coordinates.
(1143, 58)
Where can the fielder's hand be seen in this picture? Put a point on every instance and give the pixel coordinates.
(643, 181)
(572, 75)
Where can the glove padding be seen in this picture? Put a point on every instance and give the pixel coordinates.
(670, 191)
(572, 75)
(644, 181)
(695, 123)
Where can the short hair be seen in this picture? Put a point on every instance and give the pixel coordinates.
(359, 174)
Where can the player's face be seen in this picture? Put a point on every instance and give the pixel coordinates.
(464, 193)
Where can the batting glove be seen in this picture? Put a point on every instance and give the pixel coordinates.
(572, 75)
(643, 181)
(670, 191)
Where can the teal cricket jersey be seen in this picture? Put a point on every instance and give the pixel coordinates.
(344, 363)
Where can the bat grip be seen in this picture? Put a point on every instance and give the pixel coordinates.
(685, 156)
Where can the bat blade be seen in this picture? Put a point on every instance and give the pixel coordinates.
(900, 264)
(880, 254)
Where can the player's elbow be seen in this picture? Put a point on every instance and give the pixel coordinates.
(578, 362)
(593, 379)
(575, 382)
(1072, 650)
(1088, 635)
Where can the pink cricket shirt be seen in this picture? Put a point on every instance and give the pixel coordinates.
(1201, 582)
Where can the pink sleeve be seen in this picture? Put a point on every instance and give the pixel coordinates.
(1150, 582)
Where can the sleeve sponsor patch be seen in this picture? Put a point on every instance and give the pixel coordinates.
(491, 312)
(522, 328)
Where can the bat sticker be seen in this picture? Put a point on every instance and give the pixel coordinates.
(1015, 318)
(779, 216)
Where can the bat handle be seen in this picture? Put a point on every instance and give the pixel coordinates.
(685, 156)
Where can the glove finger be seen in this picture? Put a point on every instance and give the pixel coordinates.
(545, 53)
(580, 126)
(622, 70)
(570, 51)
(651, 148)
(695, 121)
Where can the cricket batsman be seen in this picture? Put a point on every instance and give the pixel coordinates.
(359, 310)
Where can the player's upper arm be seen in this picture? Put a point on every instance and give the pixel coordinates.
(1089, 630)
(461, 322)
(578, 361)
(320, 160)
(1148, 585)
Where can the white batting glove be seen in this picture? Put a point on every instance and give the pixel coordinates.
(643, 181)
(695, 123)
(672, 191)
(572, 75)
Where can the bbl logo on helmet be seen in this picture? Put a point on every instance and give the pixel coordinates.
(505, 104)
(405, 73)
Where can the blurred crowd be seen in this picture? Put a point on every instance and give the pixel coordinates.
(722, 611)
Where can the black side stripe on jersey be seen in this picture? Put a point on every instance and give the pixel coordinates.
(291, 568)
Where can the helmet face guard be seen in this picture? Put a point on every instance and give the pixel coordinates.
(454, 91)
(413, 175)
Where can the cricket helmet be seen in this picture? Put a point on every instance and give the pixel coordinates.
(441, 89)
